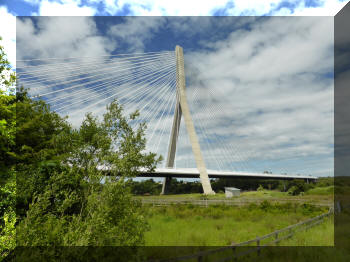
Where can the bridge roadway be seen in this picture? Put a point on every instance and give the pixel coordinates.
(194, 173)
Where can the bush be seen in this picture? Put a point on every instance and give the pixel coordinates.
(265, 205)
(294, 190)
(260, 188)
(321, 191)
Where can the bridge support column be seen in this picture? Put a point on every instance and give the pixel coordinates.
(172, 144)
(166, 186)
(181, 89)
(183, 108)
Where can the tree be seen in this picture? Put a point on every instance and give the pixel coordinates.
(8, 218)
(7, 172)
(7, 76)
(78, 204)
(36, 153)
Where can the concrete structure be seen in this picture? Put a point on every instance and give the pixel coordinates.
(232, 191)
(194, 173)
(183, 108)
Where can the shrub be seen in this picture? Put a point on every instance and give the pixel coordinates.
(294, 190)
(265, 205)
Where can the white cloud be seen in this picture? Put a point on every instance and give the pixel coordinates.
(326, 8)
(298, 8)
(163, 7)
(55, 37)
(33, 2)
(160, 7)
(8, 34)
(65, 8)
(264, 90)
(252, 7)
(207, 7)
(187, 8)
(135, 31)
(62, 8)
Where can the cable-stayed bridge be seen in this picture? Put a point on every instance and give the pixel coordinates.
(195, 141)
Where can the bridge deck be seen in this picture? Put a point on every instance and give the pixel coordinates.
(194, 173)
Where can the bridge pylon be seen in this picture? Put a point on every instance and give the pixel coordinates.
(182, 107)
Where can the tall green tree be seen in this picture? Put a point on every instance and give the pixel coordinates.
(36, 152)
(7, 142)
(86, 199)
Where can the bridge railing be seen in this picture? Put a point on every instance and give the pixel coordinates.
(255, 244)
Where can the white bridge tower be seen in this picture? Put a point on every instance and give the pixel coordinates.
(181, 107)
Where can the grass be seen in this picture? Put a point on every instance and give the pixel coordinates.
(329, 190)
(319, 235)
(203, 228)
(188, 225)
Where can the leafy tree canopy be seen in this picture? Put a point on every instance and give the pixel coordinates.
(68, 196)
(7, 142)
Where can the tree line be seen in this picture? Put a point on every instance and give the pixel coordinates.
(294, 187)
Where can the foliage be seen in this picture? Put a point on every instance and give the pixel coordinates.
(7, 142)
(7, 172)
(7, 77)
(105, 217)
(325, 182)
(148, 186)
(185, 187)
(244, 184)
(296, 187)
(7, 115)
(37, 152)
(327, 190)
(7, 132)
(8, 234)
(294, 190)
(8, 216)
(73, 202)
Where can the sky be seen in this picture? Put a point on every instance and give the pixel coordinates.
(259, 74)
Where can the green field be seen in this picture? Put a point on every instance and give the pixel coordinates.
(320, 235)
(219, 225)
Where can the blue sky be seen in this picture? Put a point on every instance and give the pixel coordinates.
(9, 9)
(266, 82)
(164, 7)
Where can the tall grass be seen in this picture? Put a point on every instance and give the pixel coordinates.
(329, 190)
(319, 235)
(188, 225)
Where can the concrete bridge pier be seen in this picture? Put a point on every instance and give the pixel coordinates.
(183, 108)
(166, 186)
